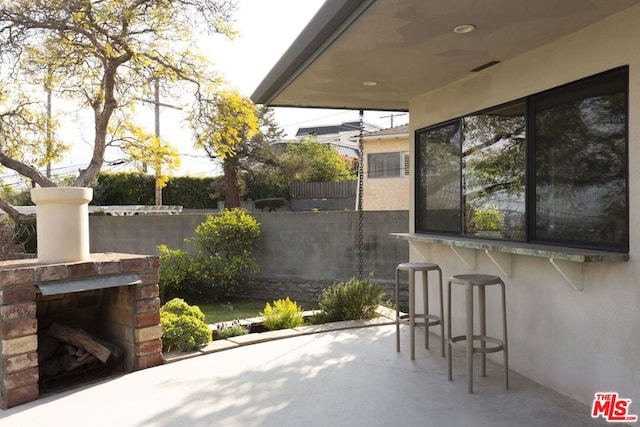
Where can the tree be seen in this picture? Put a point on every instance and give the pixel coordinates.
(307, 161)
(259, 151)
(103, 55)
(260, 161)
(223, 121)
(145, 149)
(310, 161)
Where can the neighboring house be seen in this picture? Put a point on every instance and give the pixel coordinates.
(386, 183)
(525, 120)
(340, 136)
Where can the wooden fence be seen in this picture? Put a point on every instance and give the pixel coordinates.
(323, 190)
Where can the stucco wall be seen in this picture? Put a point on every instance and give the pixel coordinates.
(578, 343)
(383, 194)
(321, 246)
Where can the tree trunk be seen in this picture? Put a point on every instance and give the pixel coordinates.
(15, 215)
(103, 108)
(231, 182)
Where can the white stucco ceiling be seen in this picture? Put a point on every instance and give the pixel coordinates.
(408, 47)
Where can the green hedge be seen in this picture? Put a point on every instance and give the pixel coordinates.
(139, 189)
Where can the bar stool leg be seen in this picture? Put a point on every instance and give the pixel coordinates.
(425, 302)
(442, 336)
(505, 351)
(469, 340)
(482, 320)
(412, 313)
(397, 311)
(449, 353)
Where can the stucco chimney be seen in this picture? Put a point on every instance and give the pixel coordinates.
(62, 223)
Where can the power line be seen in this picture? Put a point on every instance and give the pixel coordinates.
(392, 115)
(316, 119)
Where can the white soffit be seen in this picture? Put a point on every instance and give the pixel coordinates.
(409, 47)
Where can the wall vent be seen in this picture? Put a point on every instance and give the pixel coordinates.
(485, 66)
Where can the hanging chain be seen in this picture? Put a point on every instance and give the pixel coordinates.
(360, 197)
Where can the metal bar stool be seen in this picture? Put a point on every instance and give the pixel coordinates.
(480, 281)
(424, 319)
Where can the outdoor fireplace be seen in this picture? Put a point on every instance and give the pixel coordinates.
(115, 297)
(70, 311)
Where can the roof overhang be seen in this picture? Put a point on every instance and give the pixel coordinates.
(408, 47)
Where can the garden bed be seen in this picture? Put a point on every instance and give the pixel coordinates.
(240, 308)
(254, 325)
(386, 317)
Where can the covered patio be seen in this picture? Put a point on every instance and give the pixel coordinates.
(346, 377)
(553, 85)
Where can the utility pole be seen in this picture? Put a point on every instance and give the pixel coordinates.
(49, 131)
(157, 165)
(392, 115)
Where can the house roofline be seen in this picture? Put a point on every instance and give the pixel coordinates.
(385, 137)
(331, 20)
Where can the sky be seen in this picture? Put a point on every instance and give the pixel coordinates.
(266, 29)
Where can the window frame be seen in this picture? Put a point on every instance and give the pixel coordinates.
(620, 78)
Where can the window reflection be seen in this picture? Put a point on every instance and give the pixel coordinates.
(493, 153)
(580, 173)
(439, 176)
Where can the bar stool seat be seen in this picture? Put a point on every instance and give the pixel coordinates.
(414, 319)
(480, 281)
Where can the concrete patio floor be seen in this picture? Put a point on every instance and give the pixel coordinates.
(348, 377)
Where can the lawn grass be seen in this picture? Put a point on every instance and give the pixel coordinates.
(227, 310)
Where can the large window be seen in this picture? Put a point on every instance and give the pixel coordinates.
(551, 168)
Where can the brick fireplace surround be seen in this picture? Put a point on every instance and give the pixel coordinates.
(135, 321)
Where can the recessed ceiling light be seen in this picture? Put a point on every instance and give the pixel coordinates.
(464, 28)
(370, 83)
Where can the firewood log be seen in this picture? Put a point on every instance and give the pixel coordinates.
(81, 340)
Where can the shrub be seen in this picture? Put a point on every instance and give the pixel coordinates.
(231, 233)
(183, 326)
(179, 276)
(352, 300)
(179, 307)
(224, 244)
(223, 331)
(284, 314)
(222, 259)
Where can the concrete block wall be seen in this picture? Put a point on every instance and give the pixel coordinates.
(317, 246)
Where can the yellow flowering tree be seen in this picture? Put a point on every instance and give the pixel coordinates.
(146, 149)
(222, 121)
(102, 56)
